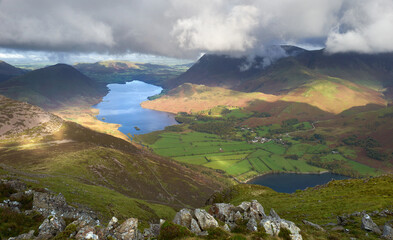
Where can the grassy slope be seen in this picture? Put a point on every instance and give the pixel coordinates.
(321, 204)
(330, 95)
(195, 98)
(372, 123)
(105, 173)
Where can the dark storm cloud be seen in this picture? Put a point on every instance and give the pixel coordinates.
(185, 28)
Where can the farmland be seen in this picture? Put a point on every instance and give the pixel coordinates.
(243, 160)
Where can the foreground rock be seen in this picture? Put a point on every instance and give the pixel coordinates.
(369, 225)
(198, 220)
(387, 232)
(55, 209)
(316, 226)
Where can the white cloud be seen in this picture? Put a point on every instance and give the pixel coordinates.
(185, 28)
(368, 28)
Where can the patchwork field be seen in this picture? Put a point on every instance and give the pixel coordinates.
(244, 160)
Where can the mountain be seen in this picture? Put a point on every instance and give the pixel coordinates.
(53, 87)
(299, 67)
(331, 95)
(125, 71)
(95, 170)
(8, 71)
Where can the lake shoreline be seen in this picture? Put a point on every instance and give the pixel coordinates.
(272, 173)
(290, 182)
(122, 106)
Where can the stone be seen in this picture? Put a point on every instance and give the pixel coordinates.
(245, 206)
(205, 220)
(338, 229)
(195, 227)
(252, 225)
(295, 231)
(226, 228)
(87, 232)
(221, 211)
(316, 226)
(183, 218)
(238, 216)
(273, 214)
(387, 232)
(271, 227)
(112, 225)
(369, 225)
(257, 207)
(128, 230)
(25, 236)
(49, 204)
(342, 220)
(50, 227)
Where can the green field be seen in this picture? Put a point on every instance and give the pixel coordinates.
(244, 160)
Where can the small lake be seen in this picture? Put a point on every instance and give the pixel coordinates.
(290, 182)
(122, 105)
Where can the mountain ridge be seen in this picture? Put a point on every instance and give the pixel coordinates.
(53, 87)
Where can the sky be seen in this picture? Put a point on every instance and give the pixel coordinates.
(87, 30)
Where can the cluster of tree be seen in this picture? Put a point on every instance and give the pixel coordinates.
(354, 140)
(184, 119)
(317, 138)
(221, 128)
(369, 144)
(162, 93)
(376, 154)
(292, 156)
(261, 114)
(336, 166)
(288, 126)
(174, 128)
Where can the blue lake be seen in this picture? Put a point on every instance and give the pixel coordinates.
(290, 182)
(122, 105)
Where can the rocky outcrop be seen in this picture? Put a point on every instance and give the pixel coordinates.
(198, 220)
(369, 225)
(128, 230)
(183, 217)
(48, 204)
(205, 220)
(387, 232)
(51, 227)
(316, 226)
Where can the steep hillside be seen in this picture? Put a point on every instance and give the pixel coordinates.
(8, 71)
(194, 98)
(17, 118)
(330, 95)
(298, 68)
(101, 172)
(53, 87)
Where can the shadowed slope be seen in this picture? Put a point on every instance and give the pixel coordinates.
(8, 71)
(53, 87)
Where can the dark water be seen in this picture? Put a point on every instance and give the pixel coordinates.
(290, 182)
(122, 106)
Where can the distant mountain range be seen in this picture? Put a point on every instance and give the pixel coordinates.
(8, 71)
(53, 87)
(298, 68)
